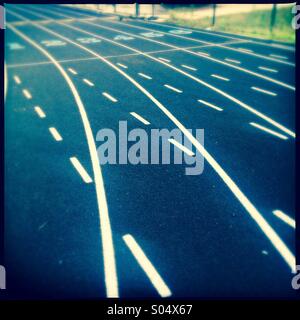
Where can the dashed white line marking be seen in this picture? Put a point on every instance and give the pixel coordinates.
(110, 271)
(55, 134)
(285, 218)
(279, 135)
(80, 169)
(172, 88)
(40, 112)
(88, 82)
(181, 147)
(164, 59)
(246, 50)
(108, 96)
(188, 67)
(147, 266)
(203, 53)
(267, 69)
(17, 80)
(219, 77)
(72, 71)
(264, 91)
(145, 76)
(278, 56)
(122, 65)
(110, 267)
(140, 118)
(233, 61)
(27, 94)
(210, 105)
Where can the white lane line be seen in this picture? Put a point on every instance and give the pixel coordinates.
(17, 80)
(221, 92)
(72, 71)
(219, 77)
(140, 118)
(245, 50)
(210, 105)
(279, 135)
(88, 82)
(172, 88)
(278, 56)
(233, 61)
(268, 69)
(27, 94)
(164, 59)
(147, 266)
(285, 218)
(181, 147)
(265, 227)
(264, 91)
(122, 65)
(145, 76)
(108, 96)
(188, 67)
(110, 271)
(40, 112)
(204, 53)
(80, 169)
(55, 134)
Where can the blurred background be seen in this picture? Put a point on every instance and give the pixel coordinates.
(267, 21)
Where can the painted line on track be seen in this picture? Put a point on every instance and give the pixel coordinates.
(172, 88)
(219, 77)
(80, 169)
(144, 262)
(122, 65)
(108, 96)
(181, 147)
(270, 93)
(88, 82)
(188, 67)
(268, 69)
(110, 272)
(72, 71)
(27, 94)
(233, 61)
(269, 232)
(228, 96)
(17, 80)
(140, 118)
(279, 135)
(210, 105)
(55, 134)
(145, 76)
(285, 218)
(40, 112)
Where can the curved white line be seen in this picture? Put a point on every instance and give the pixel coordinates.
(245, 202)
(111, 280)
(253, 73)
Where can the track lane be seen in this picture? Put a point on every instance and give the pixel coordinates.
(210, 254)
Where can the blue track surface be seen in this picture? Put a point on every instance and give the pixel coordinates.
(195, 230)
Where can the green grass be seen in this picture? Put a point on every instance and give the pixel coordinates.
(254, 24)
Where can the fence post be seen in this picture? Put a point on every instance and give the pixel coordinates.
(137, 9)
(273, 17)
(153, 7)
(213, 21)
